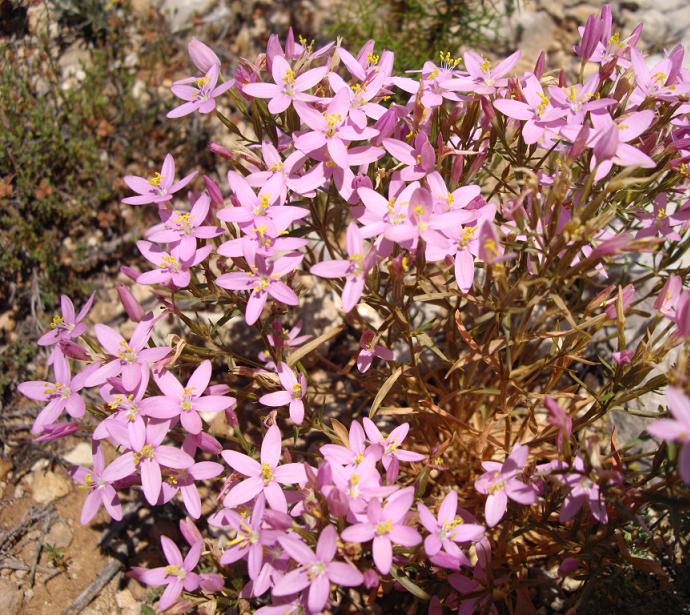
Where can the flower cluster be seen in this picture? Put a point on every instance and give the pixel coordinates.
(471, 220)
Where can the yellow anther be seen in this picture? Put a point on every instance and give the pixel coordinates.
(171, 480)
(615, 39)
(266, 472)
(490, 246)
(434, 73)
(201, 82)
(357, 88)
(661, 213)
(264, 204)
(384, 527)
(171, 262)
(56, 322)
(156, 179)
(359, 458)
(419, 210)
(296, 391)
(278, 166)
(355, 479)
(260, 230)
(373, 58)
(184, 219)
(497, 486)
(289, 77)
(147, 451)
(485, 66)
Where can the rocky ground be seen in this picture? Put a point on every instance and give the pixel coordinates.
(47, 560)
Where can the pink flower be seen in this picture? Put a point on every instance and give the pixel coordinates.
(558, 418)
(265, 477)
(391, 443)
(63, 394)
(676, 429)
(178, 575)
(173, 270)
(500, 482)
(539, 115)
(131, 359)
(448, 528)
(67, 326)
(420, 160)
(354, 269)
(158, 188)
(682, 315)
(582, 489)
(249, 540)
(623, 357)
(101, 492)
(353, 454)
(483, 77)
(316, 570)
(369, 350)
(331, 129)
(292, 395)
(262, 280)
(185, 228)
(147, 456)
(187, 402)
(668, 296)
(287, 86)
(385, 526)
(202, 95)
(183, 481)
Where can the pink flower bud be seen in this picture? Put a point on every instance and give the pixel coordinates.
(214, 191)
(131, 305)
(202, 55)
(57, 431)
(568, 566)
(73, 350)
(217, 148)
(131, 272)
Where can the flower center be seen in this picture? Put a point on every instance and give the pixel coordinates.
(57, 390)
(384, 527)
(263, 205)
(156, 180)
(127, 353)
(296, 391)
(266, 472)
(316, 570)
(170, 263)
(176, 571)
(57, 321)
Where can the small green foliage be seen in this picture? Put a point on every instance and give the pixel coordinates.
(418, 30)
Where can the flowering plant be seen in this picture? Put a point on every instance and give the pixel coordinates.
(508, 249)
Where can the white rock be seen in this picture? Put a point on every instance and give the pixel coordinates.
(80, 455)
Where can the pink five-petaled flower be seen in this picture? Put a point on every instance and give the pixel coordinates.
(355, 452)
(101, 492)
(287, 87)
(186, 402)
(148, 455)
(391, 443)
(500, 482)
(183, 481)
(582, 489)
(292, 395)
(63, 394)
(131, 359)
(185, 227)
(202, 95)
(158, 188)
(177, 575)
(262, 280)
(266, 477)
(447, 528)
(354, 269)
(248, 541)
(369, 350)
(173, 268)
(385, 525)
(317, 570)
(676, 429)
(67, 326)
